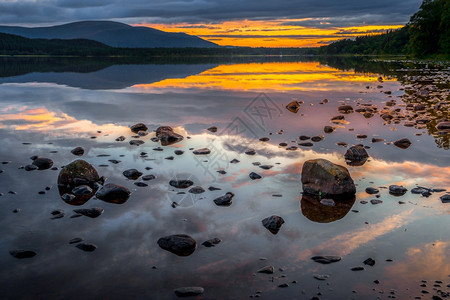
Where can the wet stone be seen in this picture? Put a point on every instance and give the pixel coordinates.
(86, 247)
(327, 259)
(138, 127)
(179, 244)
(264, 139)
(181, 184)
(212, 188)
(148, 177)
(30, 167)
(357, 269)
(266, 270)
(136, 142)
(369, 262)
(189, 291)
(306, 144)
(372, 190)
(254, 176)
(445, 198)
(212, 129)
(114, 161)
(120, 139)
(273, 223)
(132, 174)
(20, 254)
(169, 158)
(202, 151)
(283, 285)
(250, 152)
(140, 184)
(224, 200)
(321, 277)
(167, 136)
(75, 240)
(93, 212)
(397, 190)
(317, 138)
(43, 163)
(78, 151)
(403, 143)
(196, 190)
(234, 161)
(211, 243)
(266, 167)
(376, 201)
(328, 129)
(304, 137)
(113, 193)
(82, 190)
(178, 152)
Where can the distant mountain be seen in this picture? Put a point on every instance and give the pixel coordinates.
(114, 34)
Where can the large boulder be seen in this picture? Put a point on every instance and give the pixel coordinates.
(167, 137)
(78, 173)
(324, 178)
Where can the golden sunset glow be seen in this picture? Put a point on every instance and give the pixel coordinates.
(267, 76)
(270, 33)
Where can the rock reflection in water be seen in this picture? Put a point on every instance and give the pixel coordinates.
(317, 212)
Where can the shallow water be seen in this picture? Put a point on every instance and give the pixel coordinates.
(49, 111)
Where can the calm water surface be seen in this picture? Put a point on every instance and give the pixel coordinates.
(49, 111)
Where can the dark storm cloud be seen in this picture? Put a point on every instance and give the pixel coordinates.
(349, 12)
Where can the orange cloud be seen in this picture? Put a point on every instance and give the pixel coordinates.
(269, 33)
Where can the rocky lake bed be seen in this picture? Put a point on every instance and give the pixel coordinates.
(271, 179)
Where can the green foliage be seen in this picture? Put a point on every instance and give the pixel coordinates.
(427, 34)
(392, 42)
(425, 28)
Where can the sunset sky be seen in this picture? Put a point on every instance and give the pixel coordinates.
(282, 23)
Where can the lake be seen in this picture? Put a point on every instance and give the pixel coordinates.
(51, 106)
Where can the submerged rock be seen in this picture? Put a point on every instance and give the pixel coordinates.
(181, 184)
(132, 174)
(196, 190)
(43, 163)
(266, 270)
(22, 253)
(202, 151)
(179, 244)
(78, 151)
(224, 200)
(445, 198)
(397, 190)
(273, 223)
(86, 247)
(90, 212)
(372, 190)
(356, 155)
(254, 176)
(138, 127)
(327, 259)
(293, 106)
(136, 142)
(113, 193)
(211, 243)
(167, 136)
(403, 143)
(189, 291)
(322, 177)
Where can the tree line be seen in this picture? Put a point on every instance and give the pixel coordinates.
(427, 34)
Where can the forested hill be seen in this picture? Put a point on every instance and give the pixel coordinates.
(12, 44)
(427, 34)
